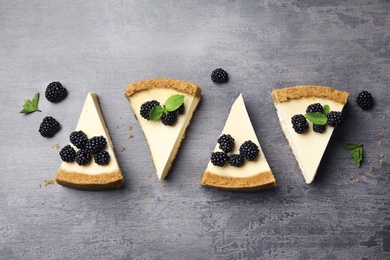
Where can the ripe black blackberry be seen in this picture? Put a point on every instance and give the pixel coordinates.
(83, 157)
(236, 160)
(78, 139)
(96, 144)
(55, 92)
(49, 127)
(219, 76)
(147, 107)
(67, 153)
(169, 118)
(364, 99)
(319, 128)
(218, 158)
(226, 143)
(180, 110)
(335, 118)
(102, 158)
(317, 107)
(249, 150)
(299, 123)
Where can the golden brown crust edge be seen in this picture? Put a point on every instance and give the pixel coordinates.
(179, 85)
(105, 181)
(297, 92)
(261, 181)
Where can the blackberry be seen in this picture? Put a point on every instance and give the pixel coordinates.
(49, 127)
(319, 128)
(219, 76)
(169, 118)
(96, 144)
(317, 107)
(335, 118)
(180, 110)
(218, 158)
(236, 160)
(78, 139)
(147, 107)
(299, 123)
(67, 153)
(249, 150)
(83, 157)
(55, 92)
(226, 143)
(364, 99)
(102, 158)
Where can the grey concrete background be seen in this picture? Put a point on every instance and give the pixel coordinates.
(101, 46)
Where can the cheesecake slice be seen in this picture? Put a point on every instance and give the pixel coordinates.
(309, 147)
(92, 176)
(164, 141)
(252, 175)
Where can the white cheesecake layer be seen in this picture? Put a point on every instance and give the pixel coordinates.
(308, 147)
(239, 126)
(92, 123)
(164, 141)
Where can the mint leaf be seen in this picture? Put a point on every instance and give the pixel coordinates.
(174, 102)
(317, 118)
(156, 113)
(326, 110)
(350, 145)
(357, 155)
(31, 105)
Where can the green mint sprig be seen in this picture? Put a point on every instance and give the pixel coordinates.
(319, 118)
(357, 151)
(170, 105)
(31, 105)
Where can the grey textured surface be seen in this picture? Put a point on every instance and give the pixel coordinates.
(101, 46)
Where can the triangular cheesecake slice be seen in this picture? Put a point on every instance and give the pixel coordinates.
(251, 175)
(309, 146)
(92, 176)
(163, 140)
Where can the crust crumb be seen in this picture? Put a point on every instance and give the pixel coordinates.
(356, 197)
(48, 182)
(357, 180)
(123, 148)
(145, 193)
(165, 186)
(130, 128)
(56, 146)
(371, 169)
(380, 142)
(130, 136)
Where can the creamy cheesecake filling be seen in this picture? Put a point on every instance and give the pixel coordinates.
(164, 141)
(92, 123)
(239, 126)
(309, 147)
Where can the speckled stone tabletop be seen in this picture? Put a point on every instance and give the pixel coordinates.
(101, 46)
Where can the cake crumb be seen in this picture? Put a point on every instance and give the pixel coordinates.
(380, 161)
(352, 177)
(380, 142)
(57, 146)
(123, 148)
(357, 180)
(145, 193)
(356, 197)
(48, 182)
(382, 155)
(130, 127)
(131, 136)
(371, 169)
